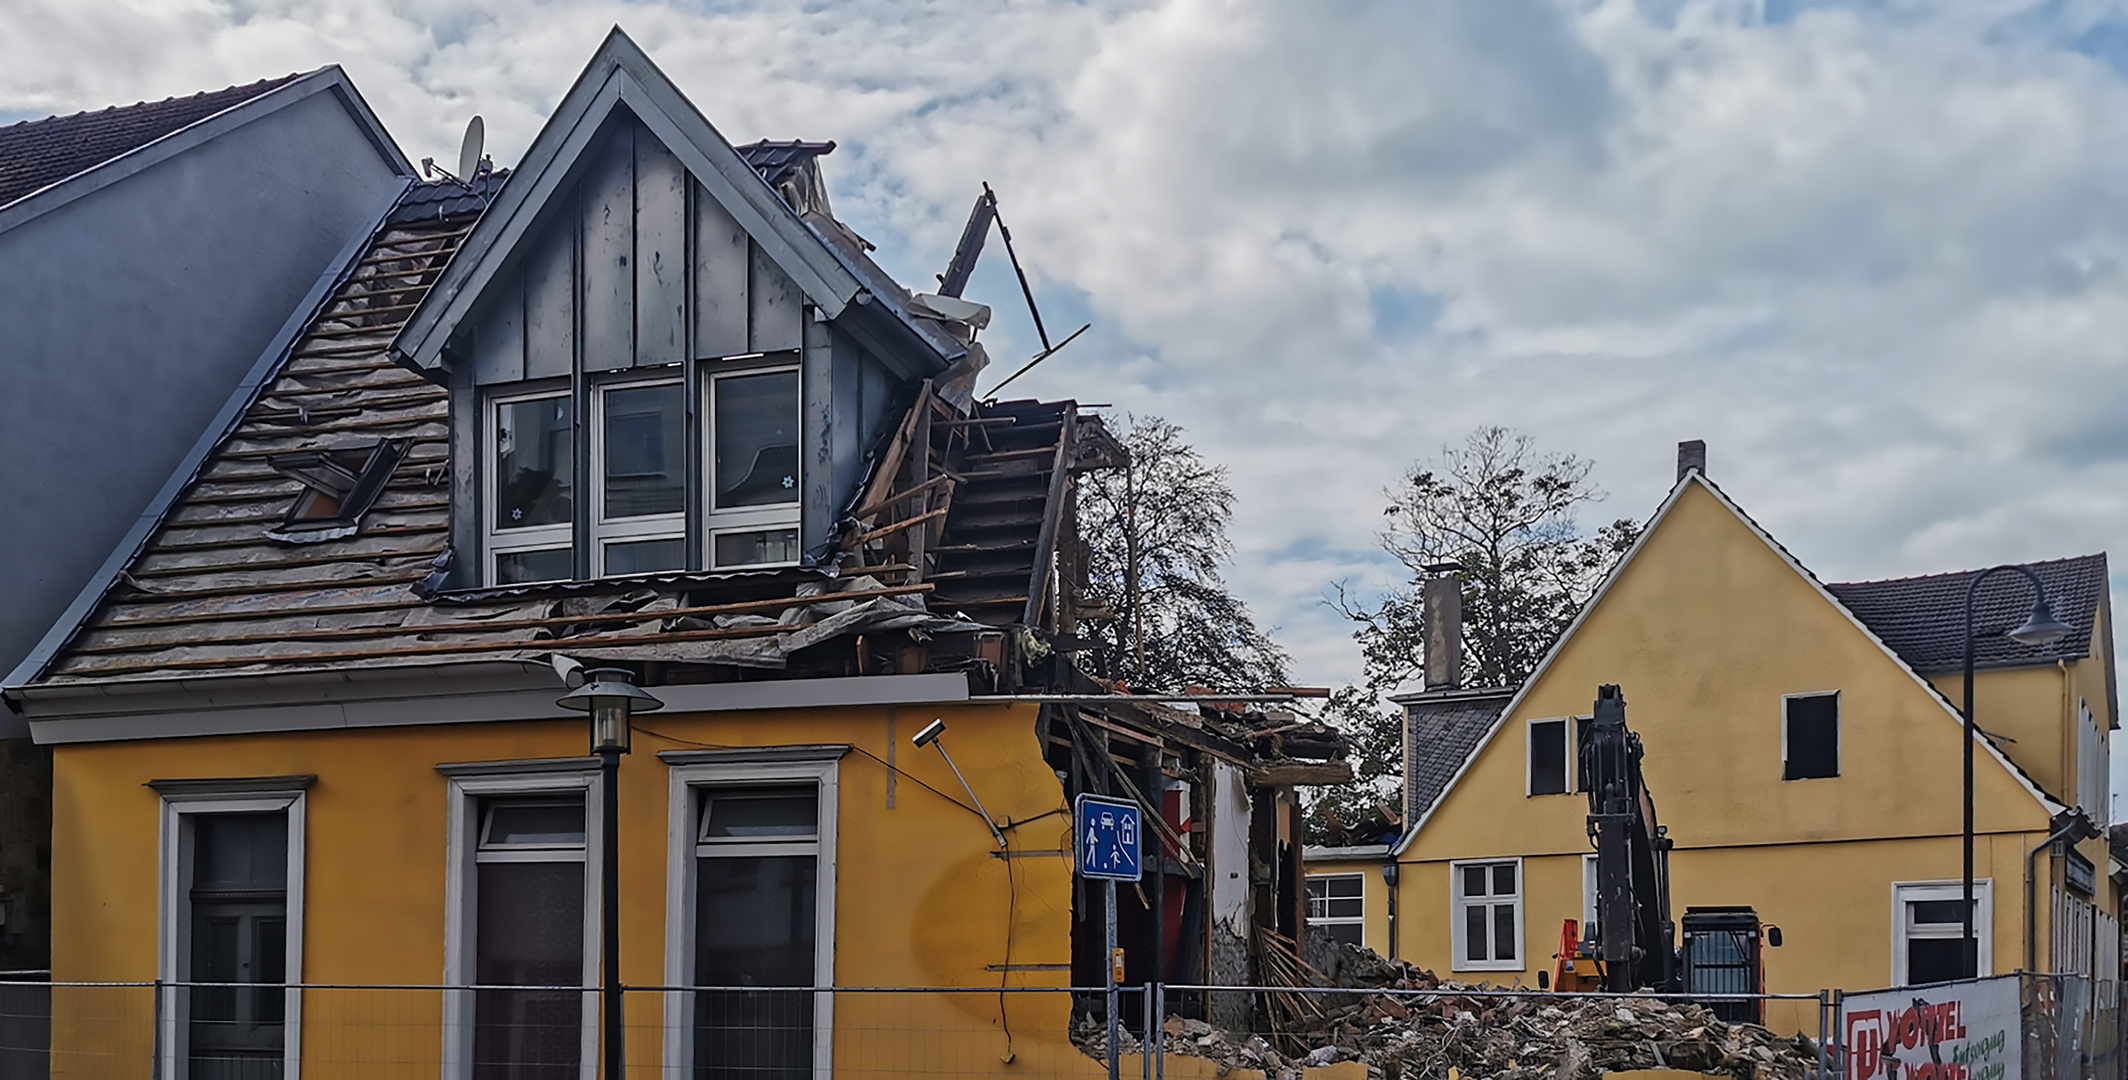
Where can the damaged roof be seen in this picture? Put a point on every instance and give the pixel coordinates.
(227, 584)
(35, 154)
(1923, 618)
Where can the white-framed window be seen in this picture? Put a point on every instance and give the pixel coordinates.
(1810, 736)
(1338, 904)
(1552, 754)
(639, 461)
(231, 911)
(2075, 928)
(1485, 902)
(1927, 925)
(754, 478)
(522, 909)
(750, 910)
(530, 487)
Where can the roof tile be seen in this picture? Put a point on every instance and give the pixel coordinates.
(36, 154)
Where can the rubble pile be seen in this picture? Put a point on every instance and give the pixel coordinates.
(1400, 1031)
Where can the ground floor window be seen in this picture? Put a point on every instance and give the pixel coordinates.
(231, 918)
(1486, 915)
(1928, 928)
(2075, 921)
(752, 926)
(1337, 903)
(523, 911)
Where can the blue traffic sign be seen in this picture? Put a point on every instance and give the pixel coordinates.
(1108, 833)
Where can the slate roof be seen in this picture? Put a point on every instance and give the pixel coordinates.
(1444, 728)
(35, 154)
(439, 200)
(1923, 618)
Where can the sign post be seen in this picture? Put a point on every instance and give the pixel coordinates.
(1106, 835)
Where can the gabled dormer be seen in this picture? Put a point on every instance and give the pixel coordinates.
(664, 354)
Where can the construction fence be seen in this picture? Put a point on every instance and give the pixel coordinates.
(2046, 1027)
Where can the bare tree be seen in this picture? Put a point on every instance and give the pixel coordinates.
(1498, 514)
(1156, 533)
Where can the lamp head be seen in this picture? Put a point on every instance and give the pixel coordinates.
(2042, 628)
(610, 696)
(930, 732)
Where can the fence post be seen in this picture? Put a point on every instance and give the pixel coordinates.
(155, 1068)
(1824, 1004)
(1145, 1041)
(1160, 1031)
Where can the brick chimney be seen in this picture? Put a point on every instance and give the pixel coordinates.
(1691, 457)
(1442, 601)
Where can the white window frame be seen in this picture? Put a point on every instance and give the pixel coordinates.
(500, 541)
(1905, 892)
(1529, 753)
(1839, 744)
(1359, 920)
(469, 784)
(690, 772)
(606, 531)
(1458, 925)
(175, 909)
(717, 521)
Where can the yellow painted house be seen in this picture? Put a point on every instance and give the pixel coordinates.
(645, 405)
(1803, 750)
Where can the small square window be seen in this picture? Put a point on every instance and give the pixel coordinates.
(765, 547)
(1337, 903)
(1488, 928)
(646, 556)
(1812, 737)
(524, 567)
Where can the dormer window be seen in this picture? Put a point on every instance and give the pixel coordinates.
(640, 441)
(753, 505)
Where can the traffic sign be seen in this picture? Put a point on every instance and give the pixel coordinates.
(1108, 833)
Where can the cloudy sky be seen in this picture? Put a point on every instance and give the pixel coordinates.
(1871, 251)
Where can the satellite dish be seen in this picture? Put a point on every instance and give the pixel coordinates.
(469, 152)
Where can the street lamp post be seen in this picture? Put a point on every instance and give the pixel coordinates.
(2041, 628)
(610, 696)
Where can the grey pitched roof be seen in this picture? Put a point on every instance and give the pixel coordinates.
(36, 154)
(1923, 618)
(1442, 728)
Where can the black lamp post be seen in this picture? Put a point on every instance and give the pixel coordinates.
(2041, 628)
(610, 696)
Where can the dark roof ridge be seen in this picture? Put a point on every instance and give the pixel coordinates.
(257, 87)
(1945, 574)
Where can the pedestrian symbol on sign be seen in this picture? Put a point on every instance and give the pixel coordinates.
(1108, 835)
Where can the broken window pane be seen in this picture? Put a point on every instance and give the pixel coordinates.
(757, 548)
(547, 564)
(646, 443)
(646, 556)
(756, 433)
(534, 463)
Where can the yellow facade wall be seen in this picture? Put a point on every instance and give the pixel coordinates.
(1706, 630)
(920, 901)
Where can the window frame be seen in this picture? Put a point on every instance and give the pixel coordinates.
(174, 907)
(1838, 709)
(497, 541)
(1457, 928)
(689, 773)
(1905, 892)
(1576, 729)
(1326, 919)
(605, 531)
(746, 519)
(468, 785)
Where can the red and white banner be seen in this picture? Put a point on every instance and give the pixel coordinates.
(1955, 1031)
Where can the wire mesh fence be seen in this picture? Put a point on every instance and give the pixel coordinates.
(2060, 1027)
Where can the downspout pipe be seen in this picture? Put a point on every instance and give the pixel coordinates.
(2076, 827)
